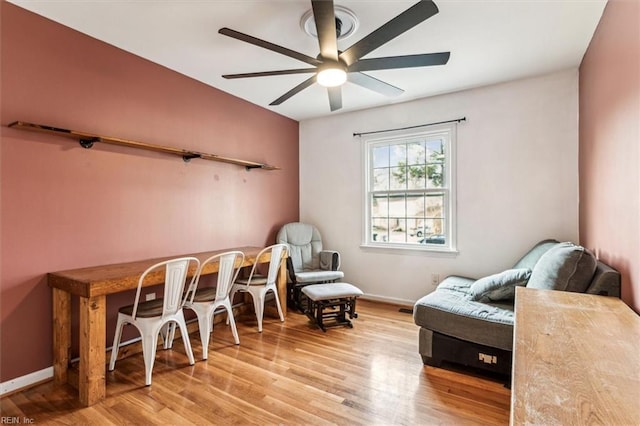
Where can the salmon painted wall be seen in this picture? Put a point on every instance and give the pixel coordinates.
(67, 207)
(610, 144)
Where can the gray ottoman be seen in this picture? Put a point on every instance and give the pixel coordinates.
(331, 302)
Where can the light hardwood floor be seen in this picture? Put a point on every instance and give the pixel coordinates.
(292, 373)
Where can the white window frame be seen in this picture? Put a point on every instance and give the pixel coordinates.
(449, 135)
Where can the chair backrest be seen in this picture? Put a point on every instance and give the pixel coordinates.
(229, 264)
(304, 243)
(277, 251)
(175, 277)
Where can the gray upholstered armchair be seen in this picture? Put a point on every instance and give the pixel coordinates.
(308, 263)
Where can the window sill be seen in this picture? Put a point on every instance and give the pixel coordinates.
(408, 249)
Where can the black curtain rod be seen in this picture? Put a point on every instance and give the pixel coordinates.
(457, 120)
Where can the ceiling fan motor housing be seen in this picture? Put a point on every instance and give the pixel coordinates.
(346, 22)
(338, 27)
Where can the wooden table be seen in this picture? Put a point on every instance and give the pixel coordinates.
(92, 285)
(576, 360)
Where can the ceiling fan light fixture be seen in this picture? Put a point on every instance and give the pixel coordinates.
(332, 76)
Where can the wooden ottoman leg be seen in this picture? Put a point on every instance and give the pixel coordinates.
(342, 318)
(352, 311)
(320, 315)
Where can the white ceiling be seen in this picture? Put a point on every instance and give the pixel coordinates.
(490, 41)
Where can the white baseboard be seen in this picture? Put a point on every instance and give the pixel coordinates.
(26, 381)
(36, 377)
(393, 300)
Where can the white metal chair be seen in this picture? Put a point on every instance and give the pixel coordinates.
(204, 301)
(153, 316)
(259, 285)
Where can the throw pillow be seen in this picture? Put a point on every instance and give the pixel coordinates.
(565, 267)
(500, 286)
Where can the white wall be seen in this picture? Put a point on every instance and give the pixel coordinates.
(517, 181)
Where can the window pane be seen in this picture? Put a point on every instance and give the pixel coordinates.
(435, 175)
(398, 178)
(430, 227)
(416, 153)
(380, 206)
(381, 156)
(380, 179)
(415, 207)
(380, 221)
(435, 203)
(416, 177)
(379, 230)
(397, 205)
(397, 155)
(398, 227)
(438, 226)
(435, 212)
(435, 151)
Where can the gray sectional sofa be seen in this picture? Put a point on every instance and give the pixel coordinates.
(470, 322)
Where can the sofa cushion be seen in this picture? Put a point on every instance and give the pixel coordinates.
(565, 267)
(500, 286)
(318, 276)
(530, 258)
(456, 283)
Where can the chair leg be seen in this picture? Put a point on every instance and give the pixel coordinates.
(258, 307)
(234, 330)
(205, 331)
(185, 339)
(275, 293)
(168, 333)
(231, 296)
(149, 346)
(232, 322)
(116, 344)
(204, 326)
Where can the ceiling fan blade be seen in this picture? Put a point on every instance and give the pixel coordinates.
(374, 84)
(270, 73)
(269, 46)
(335, 97)
(325, 19)
(408, 19)
(299, 88)
(395, 62)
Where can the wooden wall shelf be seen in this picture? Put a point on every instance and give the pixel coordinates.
(87, 140)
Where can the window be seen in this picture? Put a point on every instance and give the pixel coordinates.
(410, 190)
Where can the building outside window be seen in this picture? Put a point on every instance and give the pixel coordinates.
(410, 190)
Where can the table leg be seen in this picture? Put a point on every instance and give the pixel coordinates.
(61, 335)
(91, 380)
(281, 284)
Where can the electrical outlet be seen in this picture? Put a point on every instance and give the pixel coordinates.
(435, 279)
(150, 296)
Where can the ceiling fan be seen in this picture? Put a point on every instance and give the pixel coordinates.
(331, 68)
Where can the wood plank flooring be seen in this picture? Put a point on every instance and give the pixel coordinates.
(292, 373)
